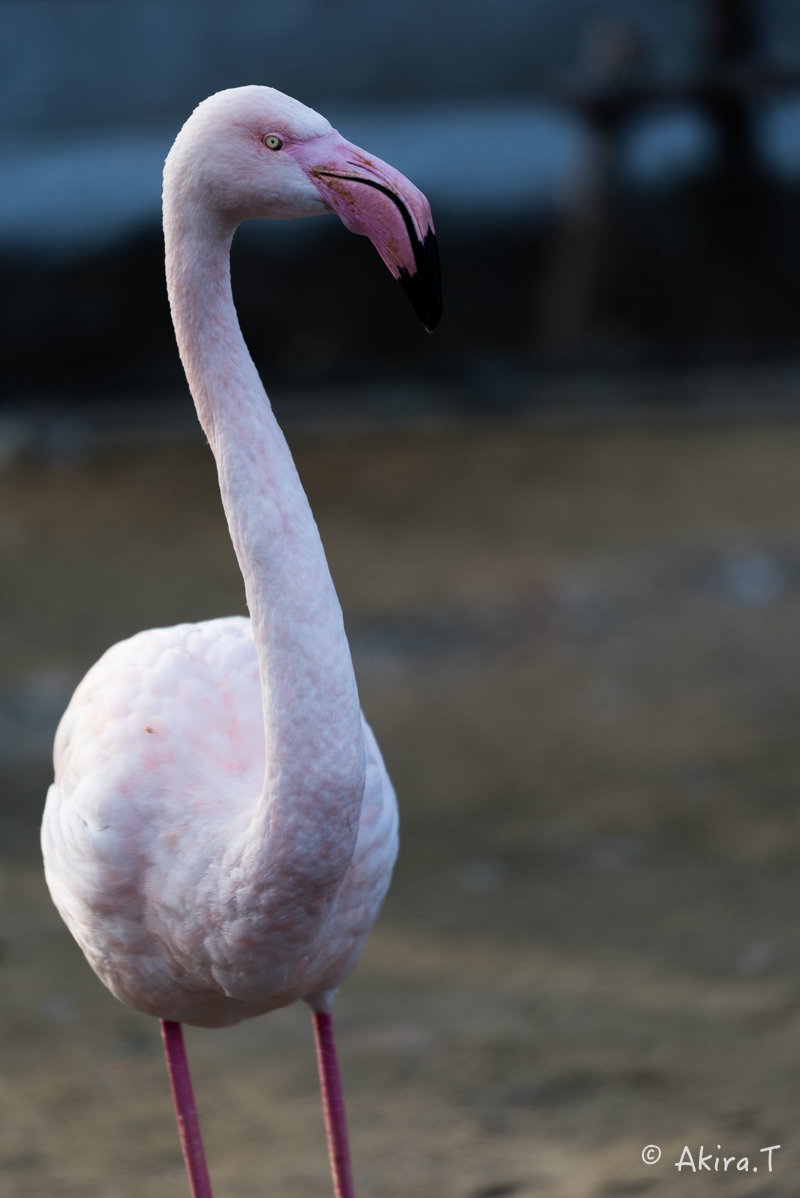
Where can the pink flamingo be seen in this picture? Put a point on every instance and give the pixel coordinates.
(221, 830)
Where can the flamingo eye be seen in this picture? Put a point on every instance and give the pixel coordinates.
(272, 142)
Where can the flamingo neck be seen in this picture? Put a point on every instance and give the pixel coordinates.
(304, 828)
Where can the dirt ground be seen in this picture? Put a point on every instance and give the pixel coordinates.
(580, 650)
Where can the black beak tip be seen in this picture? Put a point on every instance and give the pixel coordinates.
(424, 286)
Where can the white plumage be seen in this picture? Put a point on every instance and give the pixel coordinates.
(221, 830)
(159, 765)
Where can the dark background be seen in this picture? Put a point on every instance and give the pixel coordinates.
(655, 223)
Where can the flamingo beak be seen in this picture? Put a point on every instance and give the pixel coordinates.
(375, 200)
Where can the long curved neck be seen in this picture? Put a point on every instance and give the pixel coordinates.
(305, 826)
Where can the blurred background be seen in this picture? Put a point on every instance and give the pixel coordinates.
(565, 534)
(613, 183)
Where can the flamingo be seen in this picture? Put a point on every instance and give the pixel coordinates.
(221, 830)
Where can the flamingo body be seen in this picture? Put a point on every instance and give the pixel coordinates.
(221, 830)
(159, 762)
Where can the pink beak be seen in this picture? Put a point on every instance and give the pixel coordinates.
(375, 200)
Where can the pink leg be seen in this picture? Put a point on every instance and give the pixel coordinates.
(333, 1105)
(188, 1123)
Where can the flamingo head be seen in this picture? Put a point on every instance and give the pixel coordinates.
(254, 152)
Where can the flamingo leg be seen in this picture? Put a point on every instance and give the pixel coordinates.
(185, 1110)
(333, 1104)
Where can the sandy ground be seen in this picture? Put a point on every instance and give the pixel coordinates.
(579, 649)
